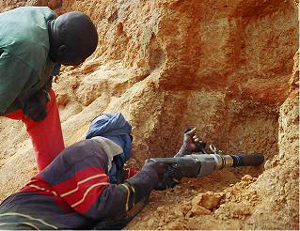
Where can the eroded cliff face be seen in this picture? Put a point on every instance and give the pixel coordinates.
(229, 68)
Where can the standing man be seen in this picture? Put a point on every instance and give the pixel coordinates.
(34, 42)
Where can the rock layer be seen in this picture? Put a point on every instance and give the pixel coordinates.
(227, 67)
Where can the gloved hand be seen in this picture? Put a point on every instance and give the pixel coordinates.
(170, 178)
(160, 168)
(189, 143)
(35, 107)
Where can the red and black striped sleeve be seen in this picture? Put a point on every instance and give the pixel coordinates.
(79, 176)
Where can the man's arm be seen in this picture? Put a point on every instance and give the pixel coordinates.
(116, 200)
(16, 80)
(36, 106)
(79, 176)
(15, 76)
(188, 144)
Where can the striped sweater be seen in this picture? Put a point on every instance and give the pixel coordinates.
(74, 192)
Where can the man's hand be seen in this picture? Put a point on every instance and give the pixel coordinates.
(160, 168)
(35, 107)
(190, 140)
(165, 180)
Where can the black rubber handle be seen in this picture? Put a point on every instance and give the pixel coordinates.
(247, 160)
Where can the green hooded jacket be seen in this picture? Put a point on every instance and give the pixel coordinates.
(25, 67)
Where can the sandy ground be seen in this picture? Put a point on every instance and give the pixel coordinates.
(241, 96)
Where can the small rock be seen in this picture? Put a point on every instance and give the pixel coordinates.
(62, 99)
(208, 200)
(199, 210)
(176, 225)
(281, 154)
